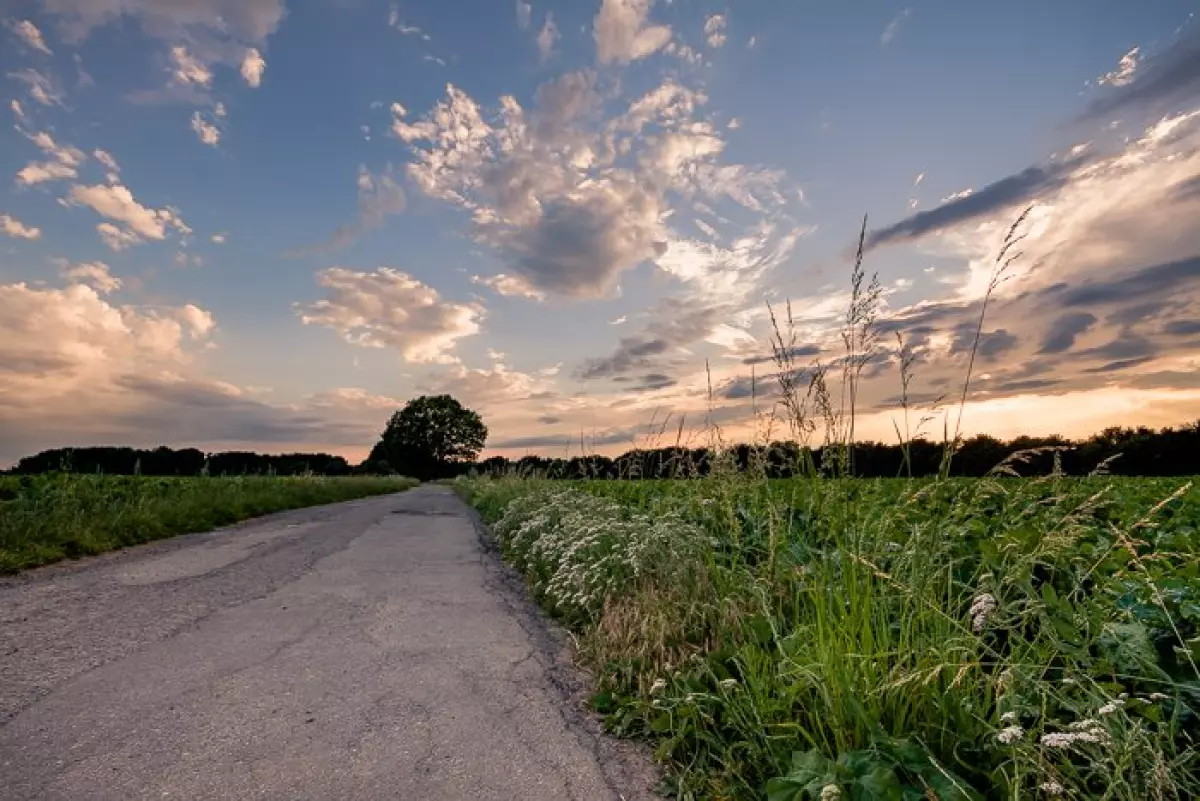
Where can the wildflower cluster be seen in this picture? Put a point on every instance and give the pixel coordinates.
(580, 550)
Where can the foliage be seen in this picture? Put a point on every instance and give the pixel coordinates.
(164, 461)
(1170, 451)
(989, 638)
(430, 438)
(50, 517)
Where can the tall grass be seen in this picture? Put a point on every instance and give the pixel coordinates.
(47, 518)
(829, 637)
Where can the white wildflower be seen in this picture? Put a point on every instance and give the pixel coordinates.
(1111, 706)
(658, 686)
(830, 792)
(1159, 696)
(1008, 718)
(1010, 734)
(729, 684)
(981, 608)
(1052, 788)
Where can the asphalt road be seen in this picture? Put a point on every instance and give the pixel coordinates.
(375, 649)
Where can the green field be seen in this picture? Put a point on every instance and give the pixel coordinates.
(996, 638)
(46, 518)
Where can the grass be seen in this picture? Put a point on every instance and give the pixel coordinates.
(830, 637)
(881, 637)
(47, 518)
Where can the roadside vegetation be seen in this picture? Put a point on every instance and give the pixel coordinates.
(53, 516)
(829, 637)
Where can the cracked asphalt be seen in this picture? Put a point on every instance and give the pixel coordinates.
(366, 650)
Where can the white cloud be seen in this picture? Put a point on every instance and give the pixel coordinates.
(1124, 73)
(714, 30)
(752, 43)
(218, 239)
(117, 203)
(524, 14)
(219, 111)
(42, 88)
(388, 308)
(571, 200)
(408, 30)
(488, 389)
(621, 32)
(94, 274)
(208, 133)
(893, 28)
(28, 33)
(546, 37)
(117, 239)
(17, 109)
(18, 230)
(64, 161)
(510, 286)
(618, 320)
(253, 67)
(187, 70)
(198, 320)
(105, 158)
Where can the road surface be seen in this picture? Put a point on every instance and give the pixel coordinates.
(374, 649)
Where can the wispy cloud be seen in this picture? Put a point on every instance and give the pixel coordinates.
(893, 28)
(28, 33)
(13, 227)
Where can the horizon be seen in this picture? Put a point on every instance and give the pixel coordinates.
(265, 225)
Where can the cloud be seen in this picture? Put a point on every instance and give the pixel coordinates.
(64, 161)
(41, 87)
(117, 203)
(207, 133)
(714, 30)
(524, 14)
(110, 163)
(546, 37)
(510, 286)
(622, 34)
(487, 389)
(893, 28)
(253, 67)
(571, 198)
(1124, 72)
(203, 21)
(28, 33)
(1167, 79)
(94, 274)
(117, 239)
(388, 308)
(1061, 334)
(379, 197)
(13, 227)
(140, 369)
(1006, 193)
(187, 70)
(218, 239)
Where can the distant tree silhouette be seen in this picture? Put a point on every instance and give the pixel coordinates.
(433, 436)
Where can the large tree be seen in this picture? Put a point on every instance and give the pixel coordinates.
(431, 437)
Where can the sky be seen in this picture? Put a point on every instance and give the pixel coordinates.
(267, 224)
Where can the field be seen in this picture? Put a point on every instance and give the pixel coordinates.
(50, 517)
(828, 638)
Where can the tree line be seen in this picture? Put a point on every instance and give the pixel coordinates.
(1137, 451)
(436, 437)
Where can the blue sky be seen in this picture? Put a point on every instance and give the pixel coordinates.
(266, 224)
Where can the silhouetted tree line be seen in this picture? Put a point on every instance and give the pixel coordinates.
(1128, 451)
(165, 461)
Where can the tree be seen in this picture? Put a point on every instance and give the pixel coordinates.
(433, 436)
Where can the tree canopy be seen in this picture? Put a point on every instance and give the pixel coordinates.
(431, 437)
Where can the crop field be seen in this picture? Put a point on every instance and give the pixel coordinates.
(826, 638)
(50, 517)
